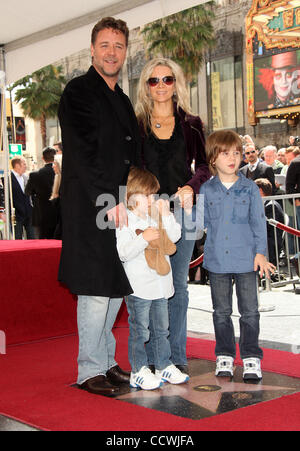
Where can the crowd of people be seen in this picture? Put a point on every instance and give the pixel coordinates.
(35, 197)
(138, 247)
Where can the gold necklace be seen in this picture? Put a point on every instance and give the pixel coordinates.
(159, 124)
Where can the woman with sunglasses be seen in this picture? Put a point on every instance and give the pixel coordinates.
(173, 140)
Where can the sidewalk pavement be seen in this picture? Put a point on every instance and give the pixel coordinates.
(279, 317)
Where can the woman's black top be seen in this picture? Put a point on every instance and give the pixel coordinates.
(167, 160)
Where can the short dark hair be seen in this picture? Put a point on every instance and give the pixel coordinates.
(265, 185)
(110, 22)
(59, 145)
(49, 154)
(16, 160)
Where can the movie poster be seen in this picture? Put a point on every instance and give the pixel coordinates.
(277, 81)
(20, 131)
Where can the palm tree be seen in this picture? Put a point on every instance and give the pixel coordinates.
(39, 95)
(183, 37)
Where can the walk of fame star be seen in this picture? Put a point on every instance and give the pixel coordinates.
(207, 395)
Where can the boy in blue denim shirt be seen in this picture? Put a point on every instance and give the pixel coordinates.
(235, 248)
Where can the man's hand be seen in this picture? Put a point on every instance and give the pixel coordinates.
(118, 214)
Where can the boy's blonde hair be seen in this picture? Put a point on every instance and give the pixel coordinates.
(221, 141)
(140, 181)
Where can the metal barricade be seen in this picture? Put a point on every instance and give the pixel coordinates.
(287, 258)
(287, 262)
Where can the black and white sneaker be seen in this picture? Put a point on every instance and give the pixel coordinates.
(252, 369)
(224, 366)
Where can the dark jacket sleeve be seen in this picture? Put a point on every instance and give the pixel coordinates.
(196, 151)
(271, 177)
(81, 133)
(29, 188)
(292, 178)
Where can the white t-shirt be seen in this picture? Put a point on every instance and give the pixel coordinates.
(145, 282)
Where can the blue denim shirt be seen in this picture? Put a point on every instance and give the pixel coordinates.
(236, 225)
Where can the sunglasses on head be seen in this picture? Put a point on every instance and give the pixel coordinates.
(167, 80)
(249, 152)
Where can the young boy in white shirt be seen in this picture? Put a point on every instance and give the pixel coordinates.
(148, 305)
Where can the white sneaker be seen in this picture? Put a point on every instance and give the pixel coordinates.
(224, 366)
(172, 375)
(252, 369)
(144, 379)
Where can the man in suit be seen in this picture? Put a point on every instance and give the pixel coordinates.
(21, 201)
(256, 169)
(39, 187)
(100, 139)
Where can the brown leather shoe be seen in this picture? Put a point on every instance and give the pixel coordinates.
(99, 385)
(118, 376)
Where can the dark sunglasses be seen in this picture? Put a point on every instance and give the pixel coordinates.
(251, 151)
(168, 80)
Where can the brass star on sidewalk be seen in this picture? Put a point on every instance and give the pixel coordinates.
(206, 395)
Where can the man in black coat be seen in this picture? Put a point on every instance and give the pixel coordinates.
(101, 141)
(256, 169)
(21, 201)
(39, 187)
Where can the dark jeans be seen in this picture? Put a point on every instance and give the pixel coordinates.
(246, 291)
(24, 225)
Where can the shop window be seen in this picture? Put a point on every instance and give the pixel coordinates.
(226, 87)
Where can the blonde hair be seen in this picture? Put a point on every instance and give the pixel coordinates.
(221, 141)
(294, 149)
(140, 181)
(144, 105)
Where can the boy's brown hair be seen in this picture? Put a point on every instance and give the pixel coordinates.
(265, 185)
(221, 141)
(110, 22)
(140, 181)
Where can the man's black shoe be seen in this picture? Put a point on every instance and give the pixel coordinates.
(118, 376)
(99, 385)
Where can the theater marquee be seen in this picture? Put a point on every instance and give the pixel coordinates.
(273, 59)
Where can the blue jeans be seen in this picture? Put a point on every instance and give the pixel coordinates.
(246, 290)
(178, 304)
(95, 318)
(144, 313)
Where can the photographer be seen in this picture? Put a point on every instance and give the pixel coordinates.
(294, 140)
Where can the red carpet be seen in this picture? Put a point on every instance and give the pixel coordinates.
(35, 384)
(34, 305)
(36, 377)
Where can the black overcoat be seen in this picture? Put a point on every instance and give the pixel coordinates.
(98, 150)
(39, 187)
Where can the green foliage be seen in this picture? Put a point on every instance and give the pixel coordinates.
(183, 37)
(39, 94)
